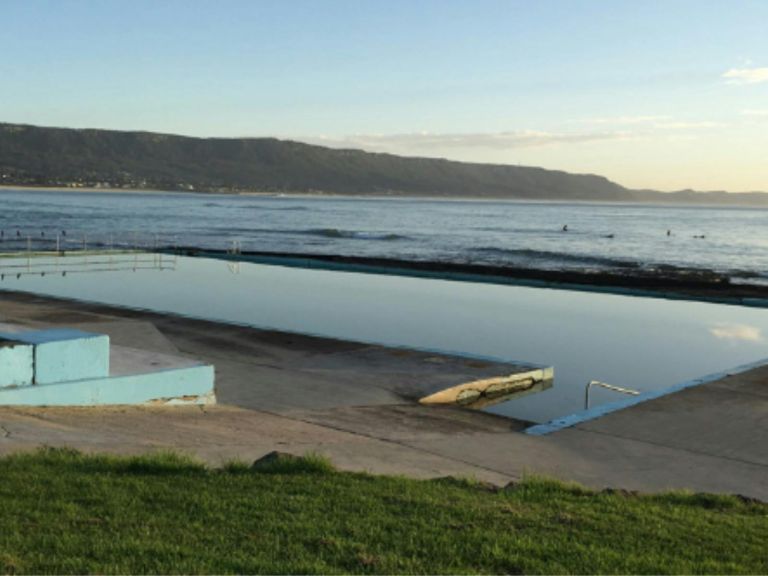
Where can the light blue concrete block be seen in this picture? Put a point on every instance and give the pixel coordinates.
(65, 355)
(193, 383)
(65, 367)
(16, 363)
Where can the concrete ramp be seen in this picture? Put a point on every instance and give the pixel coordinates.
(430, 378)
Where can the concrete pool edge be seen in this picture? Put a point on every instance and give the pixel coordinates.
(583, 416)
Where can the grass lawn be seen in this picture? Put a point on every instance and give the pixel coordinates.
(64, 512)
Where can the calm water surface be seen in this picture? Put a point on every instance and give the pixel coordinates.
(633, 342)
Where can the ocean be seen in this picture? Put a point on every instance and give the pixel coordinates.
(599, 237)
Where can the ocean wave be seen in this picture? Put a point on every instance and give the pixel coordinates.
(560, 257)
(330, 233)
(291, 209)
(351, 234)
(280, 208)
(748, 273)
(259, 207)
(750, 280)
(507, 230)
(541, 231)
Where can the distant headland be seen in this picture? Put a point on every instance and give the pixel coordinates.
(32, 156)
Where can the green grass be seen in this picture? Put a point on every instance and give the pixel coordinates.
(64, 512)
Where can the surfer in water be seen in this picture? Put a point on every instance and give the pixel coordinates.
(565, 227)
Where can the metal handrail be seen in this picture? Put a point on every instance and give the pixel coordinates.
(45, 240)
(69, 272)
(54, 253)
(591, 383)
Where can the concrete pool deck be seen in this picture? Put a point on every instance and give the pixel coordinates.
(294, 393)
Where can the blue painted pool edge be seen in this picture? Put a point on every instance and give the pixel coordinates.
(196, 383)
(604, 409)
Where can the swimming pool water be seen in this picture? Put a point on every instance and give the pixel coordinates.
(640, 343)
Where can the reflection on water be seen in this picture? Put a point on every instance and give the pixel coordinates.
(638, 343)
(737, 332)
(16, 265)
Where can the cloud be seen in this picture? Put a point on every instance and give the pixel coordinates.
(753, 112)
(492, 140)
(424, 142)
(688, 125)
(736, 332)
(645, 125)
(746, 75)
(633, 120)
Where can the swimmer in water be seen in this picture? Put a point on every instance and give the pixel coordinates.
(565, 228)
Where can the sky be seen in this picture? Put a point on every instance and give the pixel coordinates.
(667, 94)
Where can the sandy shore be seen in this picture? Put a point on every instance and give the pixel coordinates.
(33, 189)
(401, 196)
(217, 194)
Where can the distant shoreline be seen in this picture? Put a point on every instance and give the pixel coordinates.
(94, 190)
(7, 187)
(362, 196)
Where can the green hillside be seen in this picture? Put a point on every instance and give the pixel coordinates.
(36, 156)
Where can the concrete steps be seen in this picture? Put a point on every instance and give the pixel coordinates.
(69, 367)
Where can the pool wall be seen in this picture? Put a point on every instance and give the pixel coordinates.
(17, 363)
(321, 264)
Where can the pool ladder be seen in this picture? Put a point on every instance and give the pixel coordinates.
(592, 383)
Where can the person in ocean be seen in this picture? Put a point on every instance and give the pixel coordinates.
(565, 228)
